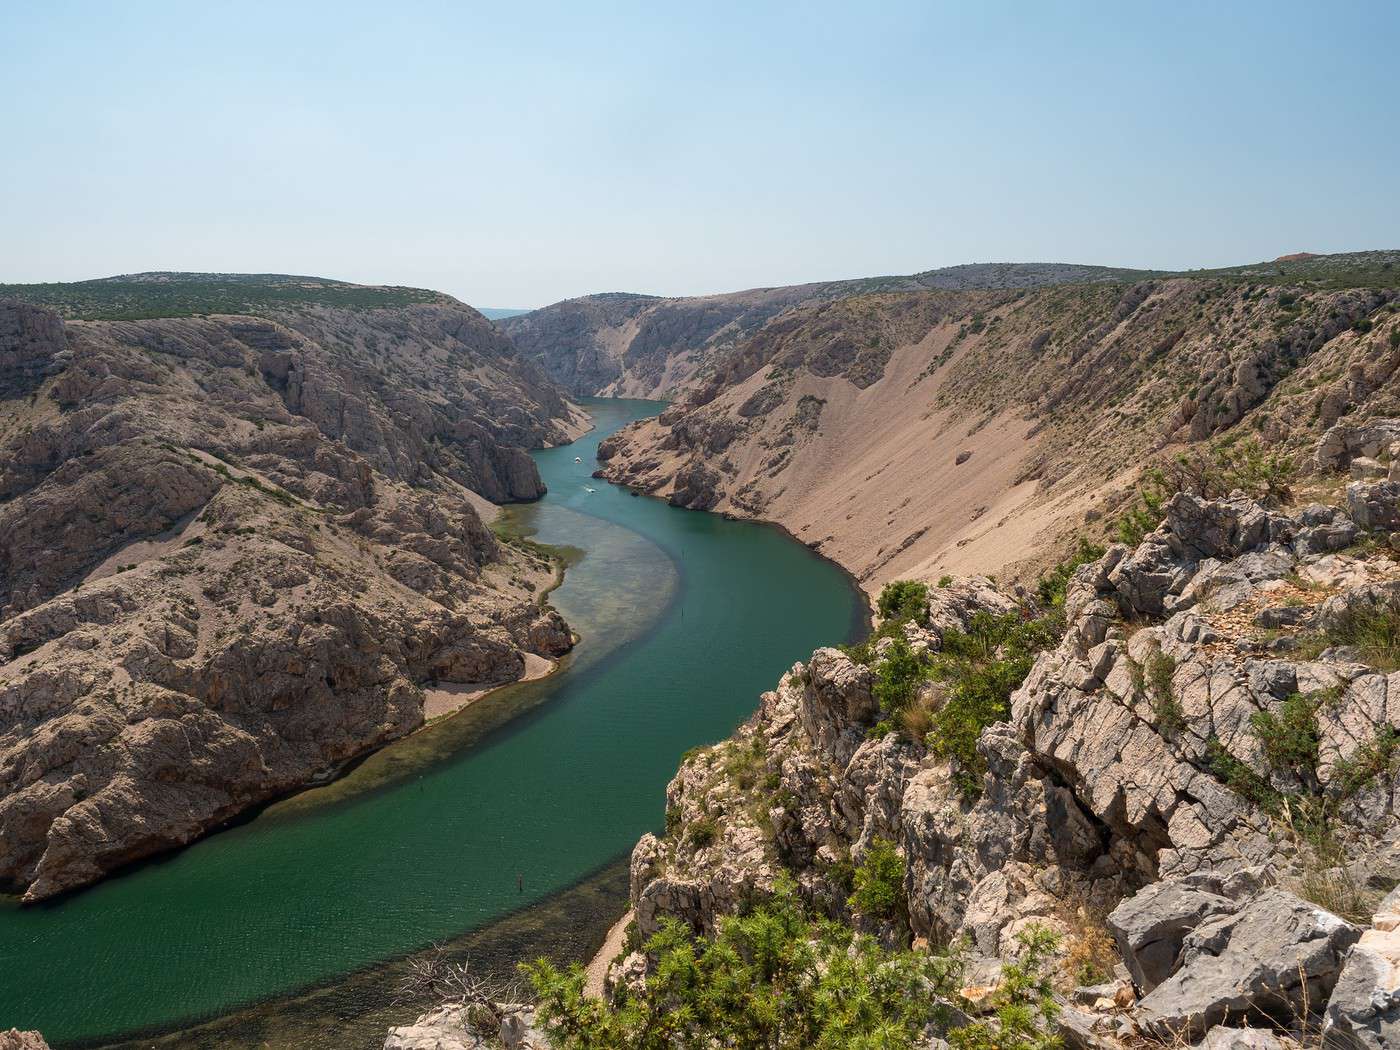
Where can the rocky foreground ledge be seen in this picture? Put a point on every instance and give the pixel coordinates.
(1195, 790)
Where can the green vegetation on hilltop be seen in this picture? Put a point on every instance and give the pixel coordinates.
(143, 296)
(1375, 269)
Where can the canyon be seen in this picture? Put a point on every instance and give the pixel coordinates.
(985, 431)
(1125, 531)
(1130, 799)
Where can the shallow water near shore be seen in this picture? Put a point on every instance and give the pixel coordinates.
(684, 619)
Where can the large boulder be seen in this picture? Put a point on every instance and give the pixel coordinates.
(1374, 504)
(1222, 1037)
(1275, 957)
(1345, 441)
(1364, 1011)
(1151, 926)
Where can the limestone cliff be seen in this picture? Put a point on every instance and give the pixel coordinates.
(1136, 799)
(234, 552)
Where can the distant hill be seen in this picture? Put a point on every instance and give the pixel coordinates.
(146, 296)
(498, 313)
(643, 345)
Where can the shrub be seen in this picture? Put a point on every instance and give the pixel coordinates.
(1147, 512)
(1290, 739)
(980, 668)
(1050, 589)
(1247, 465)
(1023, 1005)
(904, 600)
(1090, 951)
(898, 676)
(1158, 677)
(701, 832)
(1374, 630)
(900, 602)
(773, 978)
(743, 764)
(1374, 760)
(879, 882)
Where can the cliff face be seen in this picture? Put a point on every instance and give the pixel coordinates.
(644, 346)
(236, 550)
(930, 432)
(1137, 800)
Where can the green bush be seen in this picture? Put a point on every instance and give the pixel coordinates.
(1374, 760)
(879, 882)
(900, 602)
(1291, 738)
(898, 676)
(773, 979)
(1290, 742)
(1158, 677)
(701, 832)
(1050, 589)
(1247, 465)
(980, 668)
(1374, 630)
(1023, 1005)
(904, 600)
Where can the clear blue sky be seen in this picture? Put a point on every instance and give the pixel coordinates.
(515, 154)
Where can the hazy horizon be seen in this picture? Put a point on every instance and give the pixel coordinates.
(513, 159)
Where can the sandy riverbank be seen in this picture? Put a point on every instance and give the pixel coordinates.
(448, 699)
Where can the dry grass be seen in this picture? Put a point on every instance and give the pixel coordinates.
(1090, 951)
(916, 720)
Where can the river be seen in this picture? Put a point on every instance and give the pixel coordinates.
(684, 619)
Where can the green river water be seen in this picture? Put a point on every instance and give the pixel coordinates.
(288, 925)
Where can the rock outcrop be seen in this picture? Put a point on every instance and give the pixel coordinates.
(1364, 1008)
(470, 1026)
(1135, 789)
(1270, 958)
(235, 551)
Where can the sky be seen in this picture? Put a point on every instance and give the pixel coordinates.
(514, 154)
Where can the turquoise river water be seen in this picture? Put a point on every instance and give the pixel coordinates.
(684, 619)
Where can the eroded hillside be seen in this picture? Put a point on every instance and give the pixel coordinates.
(624, 345)
(923, 433)
(236, 551)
